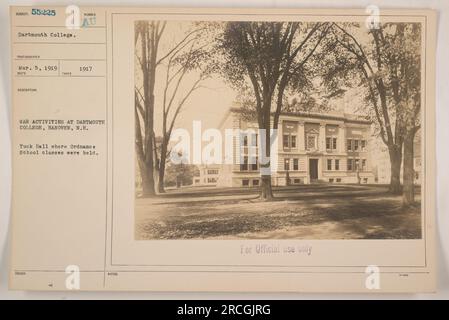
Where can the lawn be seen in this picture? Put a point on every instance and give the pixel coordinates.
(302, 212)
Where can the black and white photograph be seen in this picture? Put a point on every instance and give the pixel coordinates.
(278, 130)
(236, 151)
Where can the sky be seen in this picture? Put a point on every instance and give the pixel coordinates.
(210, 103)
(207, 104)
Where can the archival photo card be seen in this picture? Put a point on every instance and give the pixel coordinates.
(223, 149)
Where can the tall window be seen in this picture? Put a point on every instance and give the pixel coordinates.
(295, 164)
(286, 164)
(363, 145)
(244, 165)
(254, 142)
(356, 145)
(254, 164)
(329, 164)
(356, 164)
(349, 145)
(293, 141)
(289, 141)
(286, 141)
(363, 164)
(331, 143)
(350, 167)
(337, 164)
(245, 140)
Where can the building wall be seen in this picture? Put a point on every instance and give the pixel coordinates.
(304, 138)
(209, 175)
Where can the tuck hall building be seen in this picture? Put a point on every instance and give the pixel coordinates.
(311, 148)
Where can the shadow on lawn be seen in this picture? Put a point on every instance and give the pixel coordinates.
(205, 192)
(363, 214)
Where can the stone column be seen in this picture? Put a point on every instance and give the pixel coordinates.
(322, 138)
(341, 142)
(301, 136)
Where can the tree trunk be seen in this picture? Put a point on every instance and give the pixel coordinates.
(149, 148)
(265, 190)
(148, 189)
(161, 188)
(395, 162)
(408, 194)
(146, 150)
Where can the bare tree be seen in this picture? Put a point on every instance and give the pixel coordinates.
(149, 35)
(178, 60)
(185, 56)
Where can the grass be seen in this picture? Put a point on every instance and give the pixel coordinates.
(303, 212)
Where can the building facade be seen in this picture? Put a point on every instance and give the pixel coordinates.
(208, 175)
(311, 148)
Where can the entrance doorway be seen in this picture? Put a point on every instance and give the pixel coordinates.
(313, 170)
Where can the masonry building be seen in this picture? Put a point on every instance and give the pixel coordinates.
(311, 148)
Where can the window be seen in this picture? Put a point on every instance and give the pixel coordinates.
(293, 141)
(350, 168)
(337, 164)
(365, 180)
(329, 164)
(244, 165)
(289, 141)
(286, 142)
(212, 171)
(338, 179)
(296, 180)
(295, 164)
(245, 140)
(211, 180)
(356, 164)
(331, 143)
(286, 164)
(356, 145)
(254, 165)
(363, 164)
(349, 145)
(245, 182)
(363, 145)
(331, 180)
(254, 140)
(255, 182)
